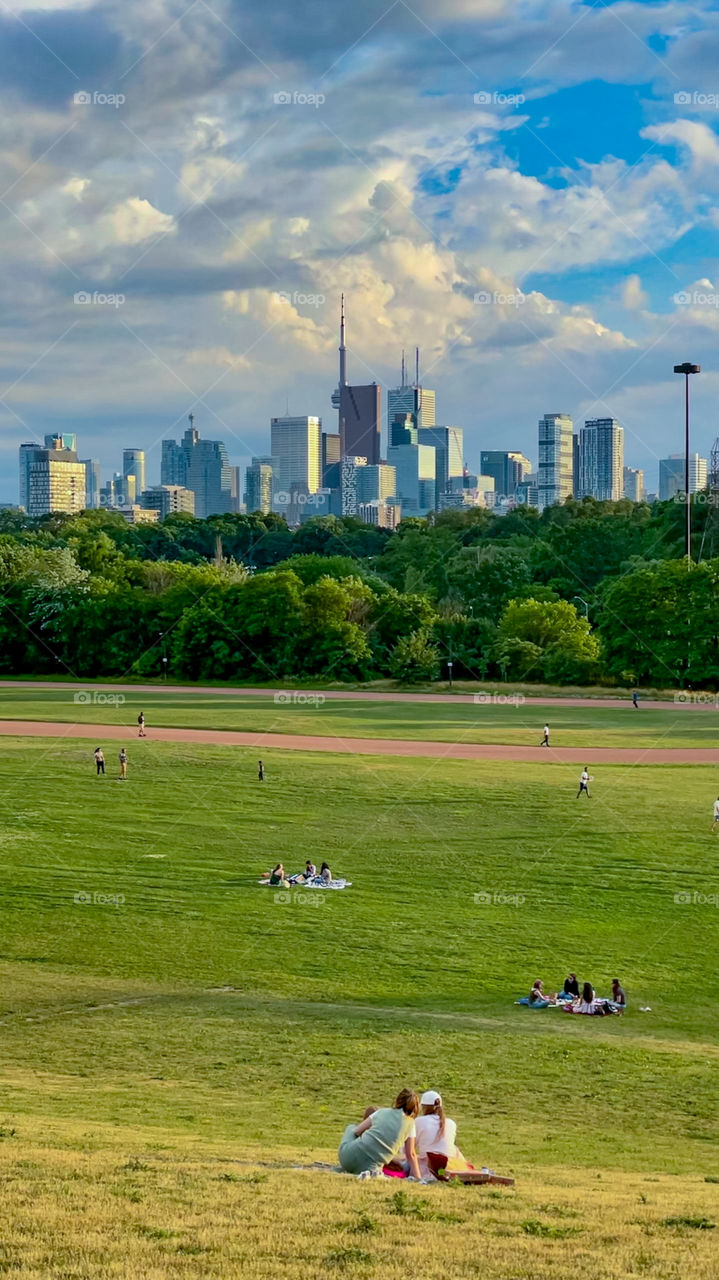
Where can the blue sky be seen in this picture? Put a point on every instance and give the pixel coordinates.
(214, 175)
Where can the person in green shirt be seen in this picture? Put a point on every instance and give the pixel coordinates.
(381, 1137)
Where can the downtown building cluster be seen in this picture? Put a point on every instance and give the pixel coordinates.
(309, 471)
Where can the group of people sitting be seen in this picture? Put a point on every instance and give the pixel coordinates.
(573, 1000)
(401, 1140)
(277, 876)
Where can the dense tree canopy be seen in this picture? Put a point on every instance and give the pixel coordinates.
(585, 591)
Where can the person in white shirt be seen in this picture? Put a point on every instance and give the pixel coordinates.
(584, 782)
(434, 1131)
(545, 737)
(716, 814)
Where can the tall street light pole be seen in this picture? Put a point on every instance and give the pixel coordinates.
(687, 369)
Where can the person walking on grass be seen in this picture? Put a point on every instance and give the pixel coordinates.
(716, 814)
(635, 700)
(141, 725)
(123, 765)
(99, 761)
(260, 771)
(545, 737)
(584, 782)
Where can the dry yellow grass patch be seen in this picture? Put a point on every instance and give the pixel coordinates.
(90, 1208)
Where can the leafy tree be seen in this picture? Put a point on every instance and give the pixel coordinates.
(415, 659)
(568, 652)
(486, 578)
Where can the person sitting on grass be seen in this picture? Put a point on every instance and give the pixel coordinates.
(619, 999)
(436, 1133)
(303, 877)
(278, 877)
(571, 985)
(586, 1003)
(381, 1138)
(538, 997)
(325, 874)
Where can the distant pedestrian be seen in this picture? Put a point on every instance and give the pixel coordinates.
(716, 814)
(141, 725)
(545, 738)
(584, 782)
(635, 700)
(123, 765)
(260, 771)
(99, 761)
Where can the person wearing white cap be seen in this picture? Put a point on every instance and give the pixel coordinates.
(435, 1131)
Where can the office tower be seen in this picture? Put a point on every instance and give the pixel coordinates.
(27, 455)
(330, 460)
(376, 484)
(411, 398)
(125, 489)
(361, 422)
(168, 500)
(575, 465)
(555, 479)
(527, 494)
(506, 469)
(385, 515)
(296, 446)
(93, 481)
(672, 478)
(403, 429)
(449, 445)
(133, 464)
(235, 489)
(415, 466)
(601, 460)
(56, 480)
(349, 470)
(258, 485)
(203, 467)
(67, 441)
(633, 484)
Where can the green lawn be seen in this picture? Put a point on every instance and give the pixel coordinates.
(233, 1015)
(661, 725)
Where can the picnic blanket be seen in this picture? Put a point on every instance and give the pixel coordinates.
(313, 884)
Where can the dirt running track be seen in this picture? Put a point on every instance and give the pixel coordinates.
(264, 742)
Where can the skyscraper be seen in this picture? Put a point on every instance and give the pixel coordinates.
(93, 481)
(633, 484)
(506, 469)
(133, 464)
(361, 421)
(330, 460)
(56, 480)
(554, 475)
(416, 476)
(350, 469)
(601, 460)
(27, 455)
(672, 478)
(411, 398)
(258, 485)
(448, 443)
(203, 467)
(376, 484)
(296, 446)
(168, 499)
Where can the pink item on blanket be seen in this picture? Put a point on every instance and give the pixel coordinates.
(393, 1173)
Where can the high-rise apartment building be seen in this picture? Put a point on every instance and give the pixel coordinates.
(555, 471)
(133, 464)
(93, 482)
(203, 467)
(296, 446)
(672, 478)
(350, 469)
(601, 460)
(56, 480)
(258, 485)
(634, 484)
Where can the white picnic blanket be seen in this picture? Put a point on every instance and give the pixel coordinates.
(314, 884)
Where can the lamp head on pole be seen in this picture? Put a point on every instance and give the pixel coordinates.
(687, 368)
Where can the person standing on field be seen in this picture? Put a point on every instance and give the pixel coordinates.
(141, 725)
(123, 765)
(99, 761)
(584, 782)
(260, 771)
(635, 700)
(545, 737)
(716, 814)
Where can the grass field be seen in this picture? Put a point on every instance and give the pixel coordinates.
(658, 725)
(176, 1038)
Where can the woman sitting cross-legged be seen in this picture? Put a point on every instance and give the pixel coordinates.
(386, 1135)
(538, 997)
(586, 1003)
(436, 1134)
